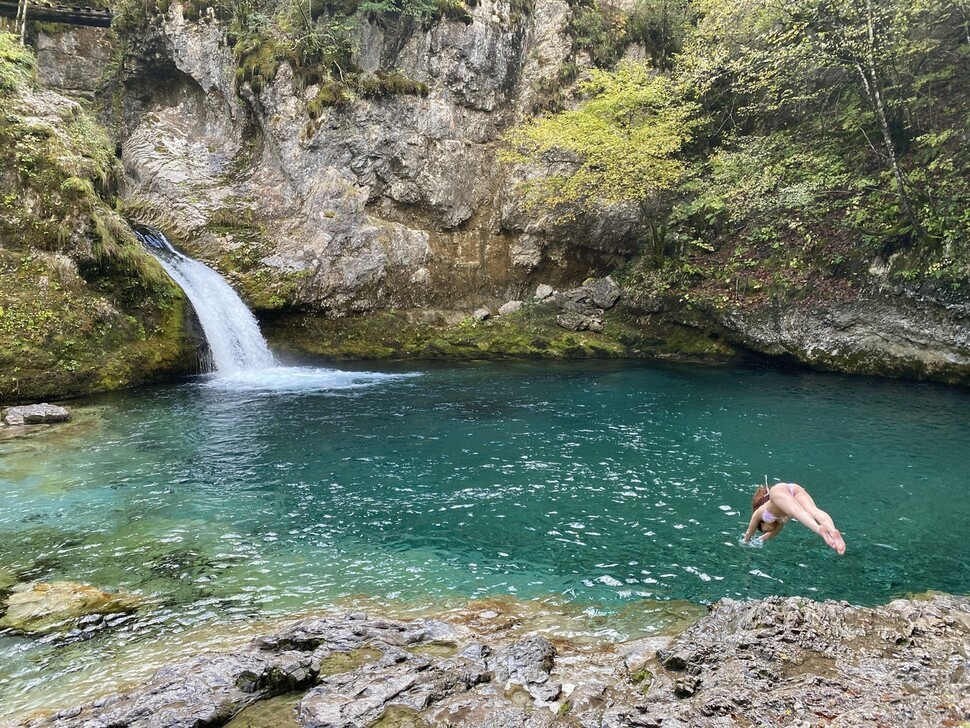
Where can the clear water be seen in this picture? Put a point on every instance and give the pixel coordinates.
(616, 491)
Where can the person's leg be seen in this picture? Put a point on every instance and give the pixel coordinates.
(783, 499)
(802, 496)
(829, 532)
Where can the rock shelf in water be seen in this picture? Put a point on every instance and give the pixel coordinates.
(786, 661)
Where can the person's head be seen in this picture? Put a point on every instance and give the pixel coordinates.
(759, 499)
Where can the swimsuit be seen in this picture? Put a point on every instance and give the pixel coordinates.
(769, 517)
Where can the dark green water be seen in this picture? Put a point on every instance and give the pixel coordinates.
(603, 487)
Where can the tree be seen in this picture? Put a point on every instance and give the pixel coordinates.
(22, 19)
(623, 144)
(863, 67)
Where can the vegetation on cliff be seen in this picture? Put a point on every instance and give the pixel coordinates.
(82, 306)
(318, 39)
(821, 136)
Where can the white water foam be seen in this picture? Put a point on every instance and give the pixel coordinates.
(294, 380)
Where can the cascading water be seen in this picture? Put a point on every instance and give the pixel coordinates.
(240, 358)
(235, 342)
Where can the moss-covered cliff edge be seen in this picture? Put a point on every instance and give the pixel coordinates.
(82, 307)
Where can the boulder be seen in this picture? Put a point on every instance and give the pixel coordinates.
(511, 307)
(43, 607)
(573, 321)
(528, 663)
(544, 291)
(603, 292)
(36, 414)
(480, 314)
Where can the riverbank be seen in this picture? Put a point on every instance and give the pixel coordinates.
(747, 662)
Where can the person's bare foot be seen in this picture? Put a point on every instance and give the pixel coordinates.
(834, 539)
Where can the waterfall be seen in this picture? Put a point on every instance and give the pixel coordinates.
(235, 342)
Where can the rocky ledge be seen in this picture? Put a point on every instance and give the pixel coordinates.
(34, 414)
(777, 661)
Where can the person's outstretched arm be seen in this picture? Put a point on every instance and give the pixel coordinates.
(753, 525)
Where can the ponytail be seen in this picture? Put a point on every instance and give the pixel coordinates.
(760, 498)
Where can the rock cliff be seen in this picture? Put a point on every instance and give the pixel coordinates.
(790, 661)
(395, 201)
(395, 212)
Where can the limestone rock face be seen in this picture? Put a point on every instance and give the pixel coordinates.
(73, 61)
(401, 201)
(881, 333)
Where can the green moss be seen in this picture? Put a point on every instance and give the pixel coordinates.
(382, 84)
(17, 65)
(531, 333)
(83, 307)
(258, 59)
(453, 10)
(329, 94)
(339, 662)
(643, 679)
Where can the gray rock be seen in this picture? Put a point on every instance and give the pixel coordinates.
(394, 202)
(74, 60)
(36, 414)
(901, 664)
(544, 291)
(604, 292)
(43, 607)
(528, 663)
(481, 314)
(509, 307)
(890, 332)
(572, 321)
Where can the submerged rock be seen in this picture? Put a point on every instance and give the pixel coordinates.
(43, 607)
(802, 662)
(36, 414)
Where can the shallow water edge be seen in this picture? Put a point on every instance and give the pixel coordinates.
(800, 659)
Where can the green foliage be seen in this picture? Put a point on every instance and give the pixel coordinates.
(875, 75)
(791, 143)
(406, 8)
(660, 26)
(622, 145)
(82, 305)
(17, 64)
(600, 30)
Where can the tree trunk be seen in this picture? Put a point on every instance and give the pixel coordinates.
(22, 19)
(870, 81)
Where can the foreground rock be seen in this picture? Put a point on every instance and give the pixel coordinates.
(790, 661)
(35, 414)
(43, 607)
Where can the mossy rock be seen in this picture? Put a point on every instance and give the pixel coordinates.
(45, 607)
(530, 333)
